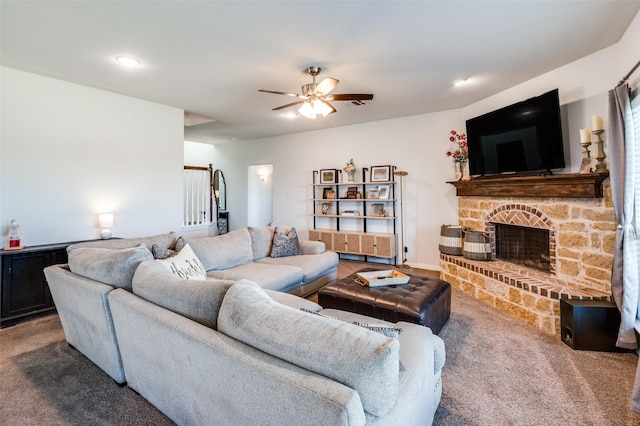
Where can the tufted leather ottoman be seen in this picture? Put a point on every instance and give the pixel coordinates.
(423, 300)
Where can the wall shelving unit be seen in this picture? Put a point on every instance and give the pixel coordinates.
(356, 226)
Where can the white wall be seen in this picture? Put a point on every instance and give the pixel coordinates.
(416, 144)
(259, 195)
(69, 152)
(199, 154)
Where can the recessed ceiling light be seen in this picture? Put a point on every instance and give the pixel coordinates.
(458, 83)
(290, 114)
(128, 61)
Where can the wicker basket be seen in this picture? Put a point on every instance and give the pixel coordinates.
(477, 246)
(451, 237)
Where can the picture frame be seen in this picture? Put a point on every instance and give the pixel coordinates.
(373, 194)
(585, 167)
(328, 176)
(352, 193)
(326, 209)
(328, 194)
(378, 210)
(384, 192)
(380, 174)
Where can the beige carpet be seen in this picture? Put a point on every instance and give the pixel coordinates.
(498, 372)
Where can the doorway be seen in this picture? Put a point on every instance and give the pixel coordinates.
(260, 195)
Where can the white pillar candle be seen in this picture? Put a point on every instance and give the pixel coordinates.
(596, 122)
(585, 135)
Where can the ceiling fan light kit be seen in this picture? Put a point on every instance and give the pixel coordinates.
(313, 109)
(315, 97)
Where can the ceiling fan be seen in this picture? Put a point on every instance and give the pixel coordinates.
(315, 97)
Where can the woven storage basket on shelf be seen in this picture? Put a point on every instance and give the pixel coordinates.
(451, 237)
(477, 246)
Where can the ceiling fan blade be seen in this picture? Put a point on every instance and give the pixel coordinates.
(350, 97)
(288, 105)
(326, 85)
(295, 95)
(332, 108)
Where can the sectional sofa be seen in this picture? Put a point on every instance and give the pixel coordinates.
(238, 347)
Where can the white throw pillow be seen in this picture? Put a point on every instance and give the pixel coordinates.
(185, 265)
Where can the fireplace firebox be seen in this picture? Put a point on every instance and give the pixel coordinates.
(523, 245)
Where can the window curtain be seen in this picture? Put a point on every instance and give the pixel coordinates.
(624, 160)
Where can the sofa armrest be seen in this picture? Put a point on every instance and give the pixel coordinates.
(311, 247)
(83, 309)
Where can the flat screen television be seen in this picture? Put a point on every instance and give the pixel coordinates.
(524, 138)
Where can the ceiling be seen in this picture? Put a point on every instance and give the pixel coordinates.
(211, 57)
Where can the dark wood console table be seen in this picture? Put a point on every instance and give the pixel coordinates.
(575, 185)
(24, 291)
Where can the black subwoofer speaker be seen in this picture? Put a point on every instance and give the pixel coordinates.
(589, 324)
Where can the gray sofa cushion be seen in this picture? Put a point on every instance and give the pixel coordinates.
(311, 247)
(261, 240)
(196, 300)
(312, 265)
(163, 240)
(366, 361)
(223, 251)
(436, 345)
(108, 266)
(272, 277)
(422, 356)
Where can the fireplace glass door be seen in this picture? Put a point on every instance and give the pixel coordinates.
(523, 245)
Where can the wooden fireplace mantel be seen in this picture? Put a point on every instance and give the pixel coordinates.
(575, 185)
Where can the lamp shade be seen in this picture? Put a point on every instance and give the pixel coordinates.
(105, 220)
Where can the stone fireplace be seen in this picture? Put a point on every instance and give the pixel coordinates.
(544, 249)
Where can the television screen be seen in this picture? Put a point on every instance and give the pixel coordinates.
(519, 138)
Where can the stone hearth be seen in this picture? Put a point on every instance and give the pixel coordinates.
(581, 241)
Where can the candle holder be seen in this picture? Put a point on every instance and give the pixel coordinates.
(600, 155)
(585, 146)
